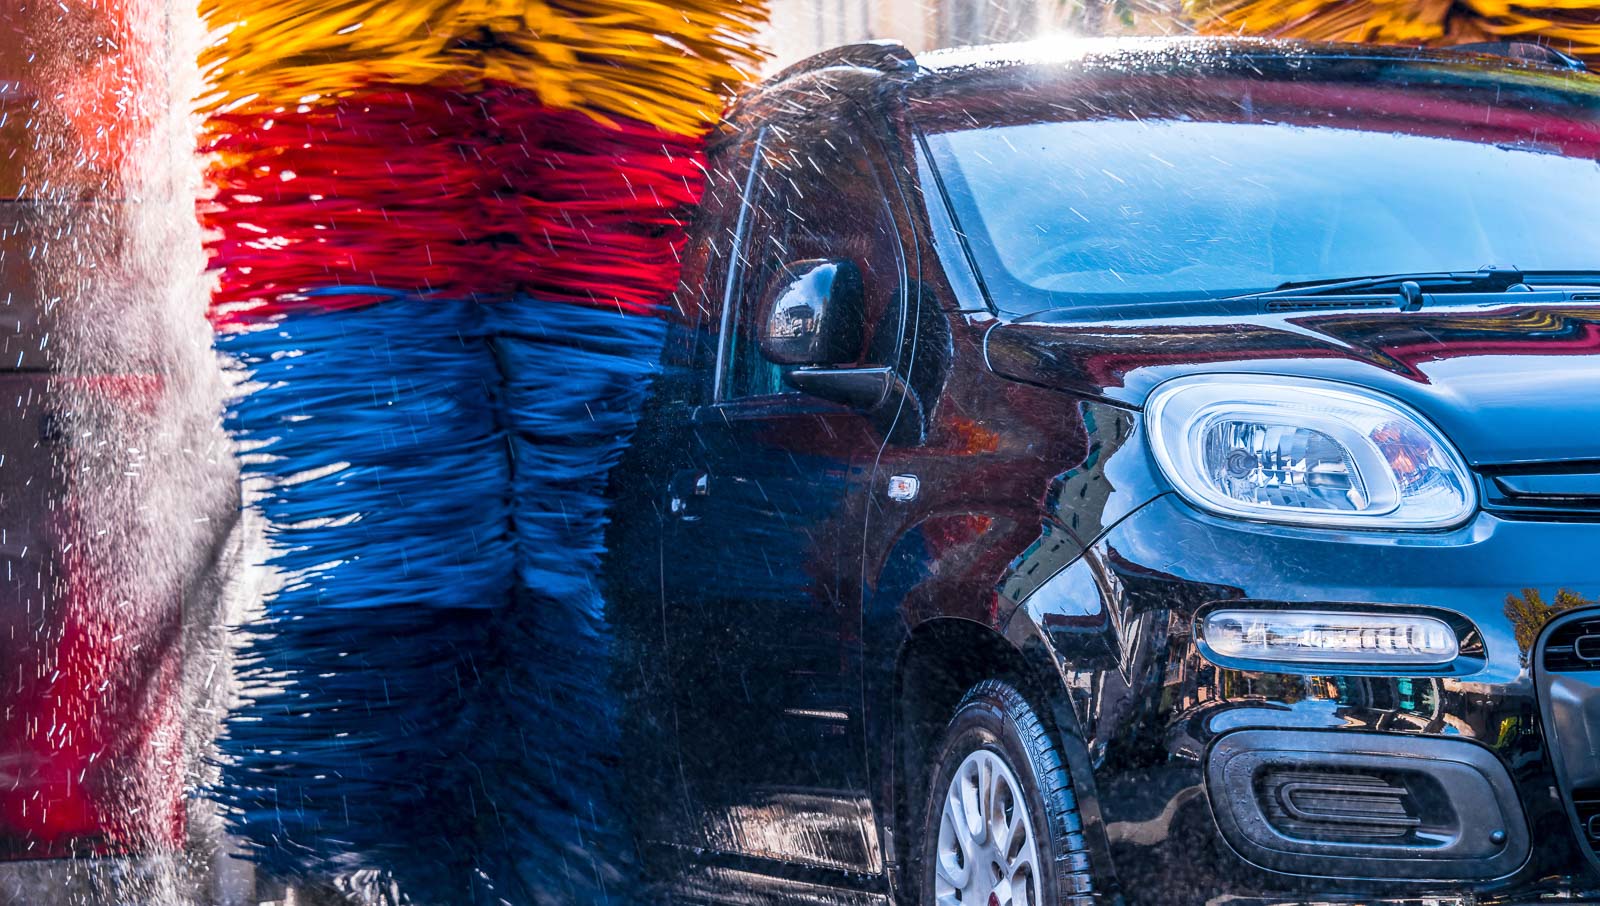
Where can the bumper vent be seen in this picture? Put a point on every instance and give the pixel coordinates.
(1570, 494)
(1574, 646)
(1380, 806)
(1337, 807)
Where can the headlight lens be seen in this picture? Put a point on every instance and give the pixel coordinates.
(1305, 451)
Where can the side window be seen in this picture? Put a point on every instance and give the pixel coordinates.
(813, 194)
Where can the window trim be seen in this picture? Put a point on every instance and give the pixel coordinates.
(947, 233)
(736, 259)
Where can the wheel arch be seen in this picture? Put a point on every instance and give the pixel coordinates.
(932, 596)
(939, 661)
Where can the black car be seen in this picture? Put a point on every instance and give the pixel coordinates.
(1154, 472)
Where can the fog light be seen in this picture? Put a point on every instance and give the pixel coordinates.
(1330, 637)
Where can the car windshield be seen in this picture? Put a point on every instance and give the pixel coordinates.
(1121, 210)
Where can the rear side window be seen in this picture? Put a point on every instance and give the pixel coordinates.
(812, 194)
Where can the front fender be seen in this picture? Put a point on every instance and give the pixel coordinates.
(978, 564)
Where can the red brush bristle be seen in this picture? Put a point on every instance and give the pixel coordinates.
(427, 190)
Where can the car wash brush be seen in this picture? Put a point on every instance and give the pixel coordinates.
(444, 234)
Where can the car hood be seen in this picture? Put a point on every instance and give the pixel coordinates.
(1507, 382)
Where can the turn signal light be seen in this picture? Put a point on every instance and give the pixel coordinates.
(1329, 637)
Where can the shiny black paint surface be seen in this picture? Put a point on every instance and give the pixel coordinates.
(1510, 378)
(789, 637)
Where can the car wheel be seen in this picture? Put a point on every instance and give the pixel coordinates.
(1001, 825)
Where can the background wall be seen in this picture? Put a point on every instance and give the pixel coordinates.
(803, 27)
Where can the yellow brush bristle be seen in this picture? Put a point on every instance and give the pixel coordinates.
(1571, 26)
(669, 65)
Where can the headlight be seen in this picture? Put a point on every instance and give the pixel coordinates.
(1306, 451)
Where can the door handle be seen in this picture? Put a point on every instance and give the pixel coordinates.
(684, 485)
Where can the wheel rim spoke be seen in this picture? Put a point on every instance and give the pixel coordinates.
(1023, 868)
(1016, 836)
(986, 782)
(956, 810)
(956, 876)
(972, 789)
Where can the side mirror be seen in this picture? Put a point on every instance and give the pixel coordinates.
(812, 314)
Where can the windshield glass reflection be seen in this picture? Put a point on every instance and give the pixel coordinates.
(1131, 207)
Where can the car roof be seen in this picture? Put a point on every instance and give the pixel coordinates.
(1172, 55)
(825, 83)
(1172, 52)
(1144, 66)
(1188, 56)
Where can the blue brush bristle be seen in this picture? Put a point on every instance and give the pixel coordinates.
(436, 661)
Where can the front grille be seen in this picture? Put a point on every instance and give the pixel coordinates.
(1573, 646)
(1549, 492)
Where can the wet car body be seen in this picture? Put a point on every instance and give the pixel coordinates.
(797, 619)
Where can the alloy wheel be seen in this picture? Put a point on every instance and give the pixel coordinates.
(987, 854)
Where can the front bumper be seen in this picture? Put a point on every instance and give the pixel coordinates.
(1153, 710)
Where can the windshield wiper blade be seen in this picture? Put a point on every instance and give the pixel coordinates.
(1407, 286)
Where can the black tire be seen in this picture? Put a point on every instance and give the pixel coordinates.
(995, 716)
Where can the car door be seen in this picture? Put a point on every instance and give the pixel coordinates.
(761, 572)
